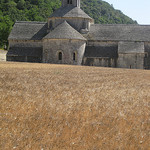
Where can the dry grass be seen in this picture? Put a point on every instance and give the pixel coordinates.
(70, 107)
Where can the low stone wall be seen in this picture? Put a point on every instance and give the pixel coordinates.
(131, 55)
(131, 61)
(3, 55)
(102, 62)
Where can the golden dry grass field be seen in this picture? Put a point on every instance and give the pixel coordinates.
(60, 107)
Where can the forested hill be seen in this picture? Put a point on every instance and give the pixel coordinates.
(39, 10)
(104, 13)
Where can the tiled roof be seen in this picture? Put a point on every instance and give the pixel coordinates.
(64, 31)
(101, 51)
(25, 51)
(118, 32)
(23, 30)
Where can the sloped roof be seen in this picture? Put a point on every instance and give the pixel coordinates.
(119, 32)
(70, 11)
(24, 30)
(64, 31)
(131, 47)
(101, 51)
(25, 51)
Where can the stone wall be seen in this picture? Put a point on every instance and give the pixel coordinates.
(131, 61)
(135, 55)
(102, 62)
(76, 23)
(99, 53)
(147, 55)
(3, 55)
(25, 51)
(131, 55)
(52, 47)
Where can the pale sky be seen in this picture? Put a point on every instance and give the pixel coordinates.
(138, 10)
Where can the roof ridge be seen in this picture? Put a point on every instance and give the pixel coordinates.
(119, 25)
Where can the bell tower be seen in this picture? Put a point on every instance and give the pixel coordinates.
(75, 3)
(71, 12)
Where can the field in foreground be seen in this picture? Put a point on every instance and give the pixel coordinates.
(62, 107)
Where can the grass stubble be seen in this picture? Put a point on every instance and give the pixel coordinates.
(62, 107)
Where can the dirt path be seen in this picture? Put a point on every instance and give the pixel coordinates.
(3, 55)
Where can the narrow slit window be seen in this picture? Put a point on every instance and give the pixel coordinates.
(60, 56)
(74, 56)
(50, 24)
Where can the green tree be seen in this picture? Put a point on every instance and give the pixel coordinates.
(5, 28)
(21, 4)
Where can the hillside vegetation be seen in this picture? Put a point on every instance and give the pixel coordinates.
(104, 13)
(62, 107)
(39, 10)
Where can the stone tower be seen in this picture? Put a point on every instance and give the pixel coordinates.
(70, 11)
(63, 45)
(75, 3)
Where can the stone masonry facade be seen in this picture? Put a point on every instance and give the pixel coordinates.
(71, 37)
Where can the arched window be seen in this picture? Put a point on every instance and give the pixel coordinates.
(60, 56)
(74, 56)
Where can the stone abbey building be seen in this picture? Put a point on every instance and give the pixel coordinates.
(71, 37)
